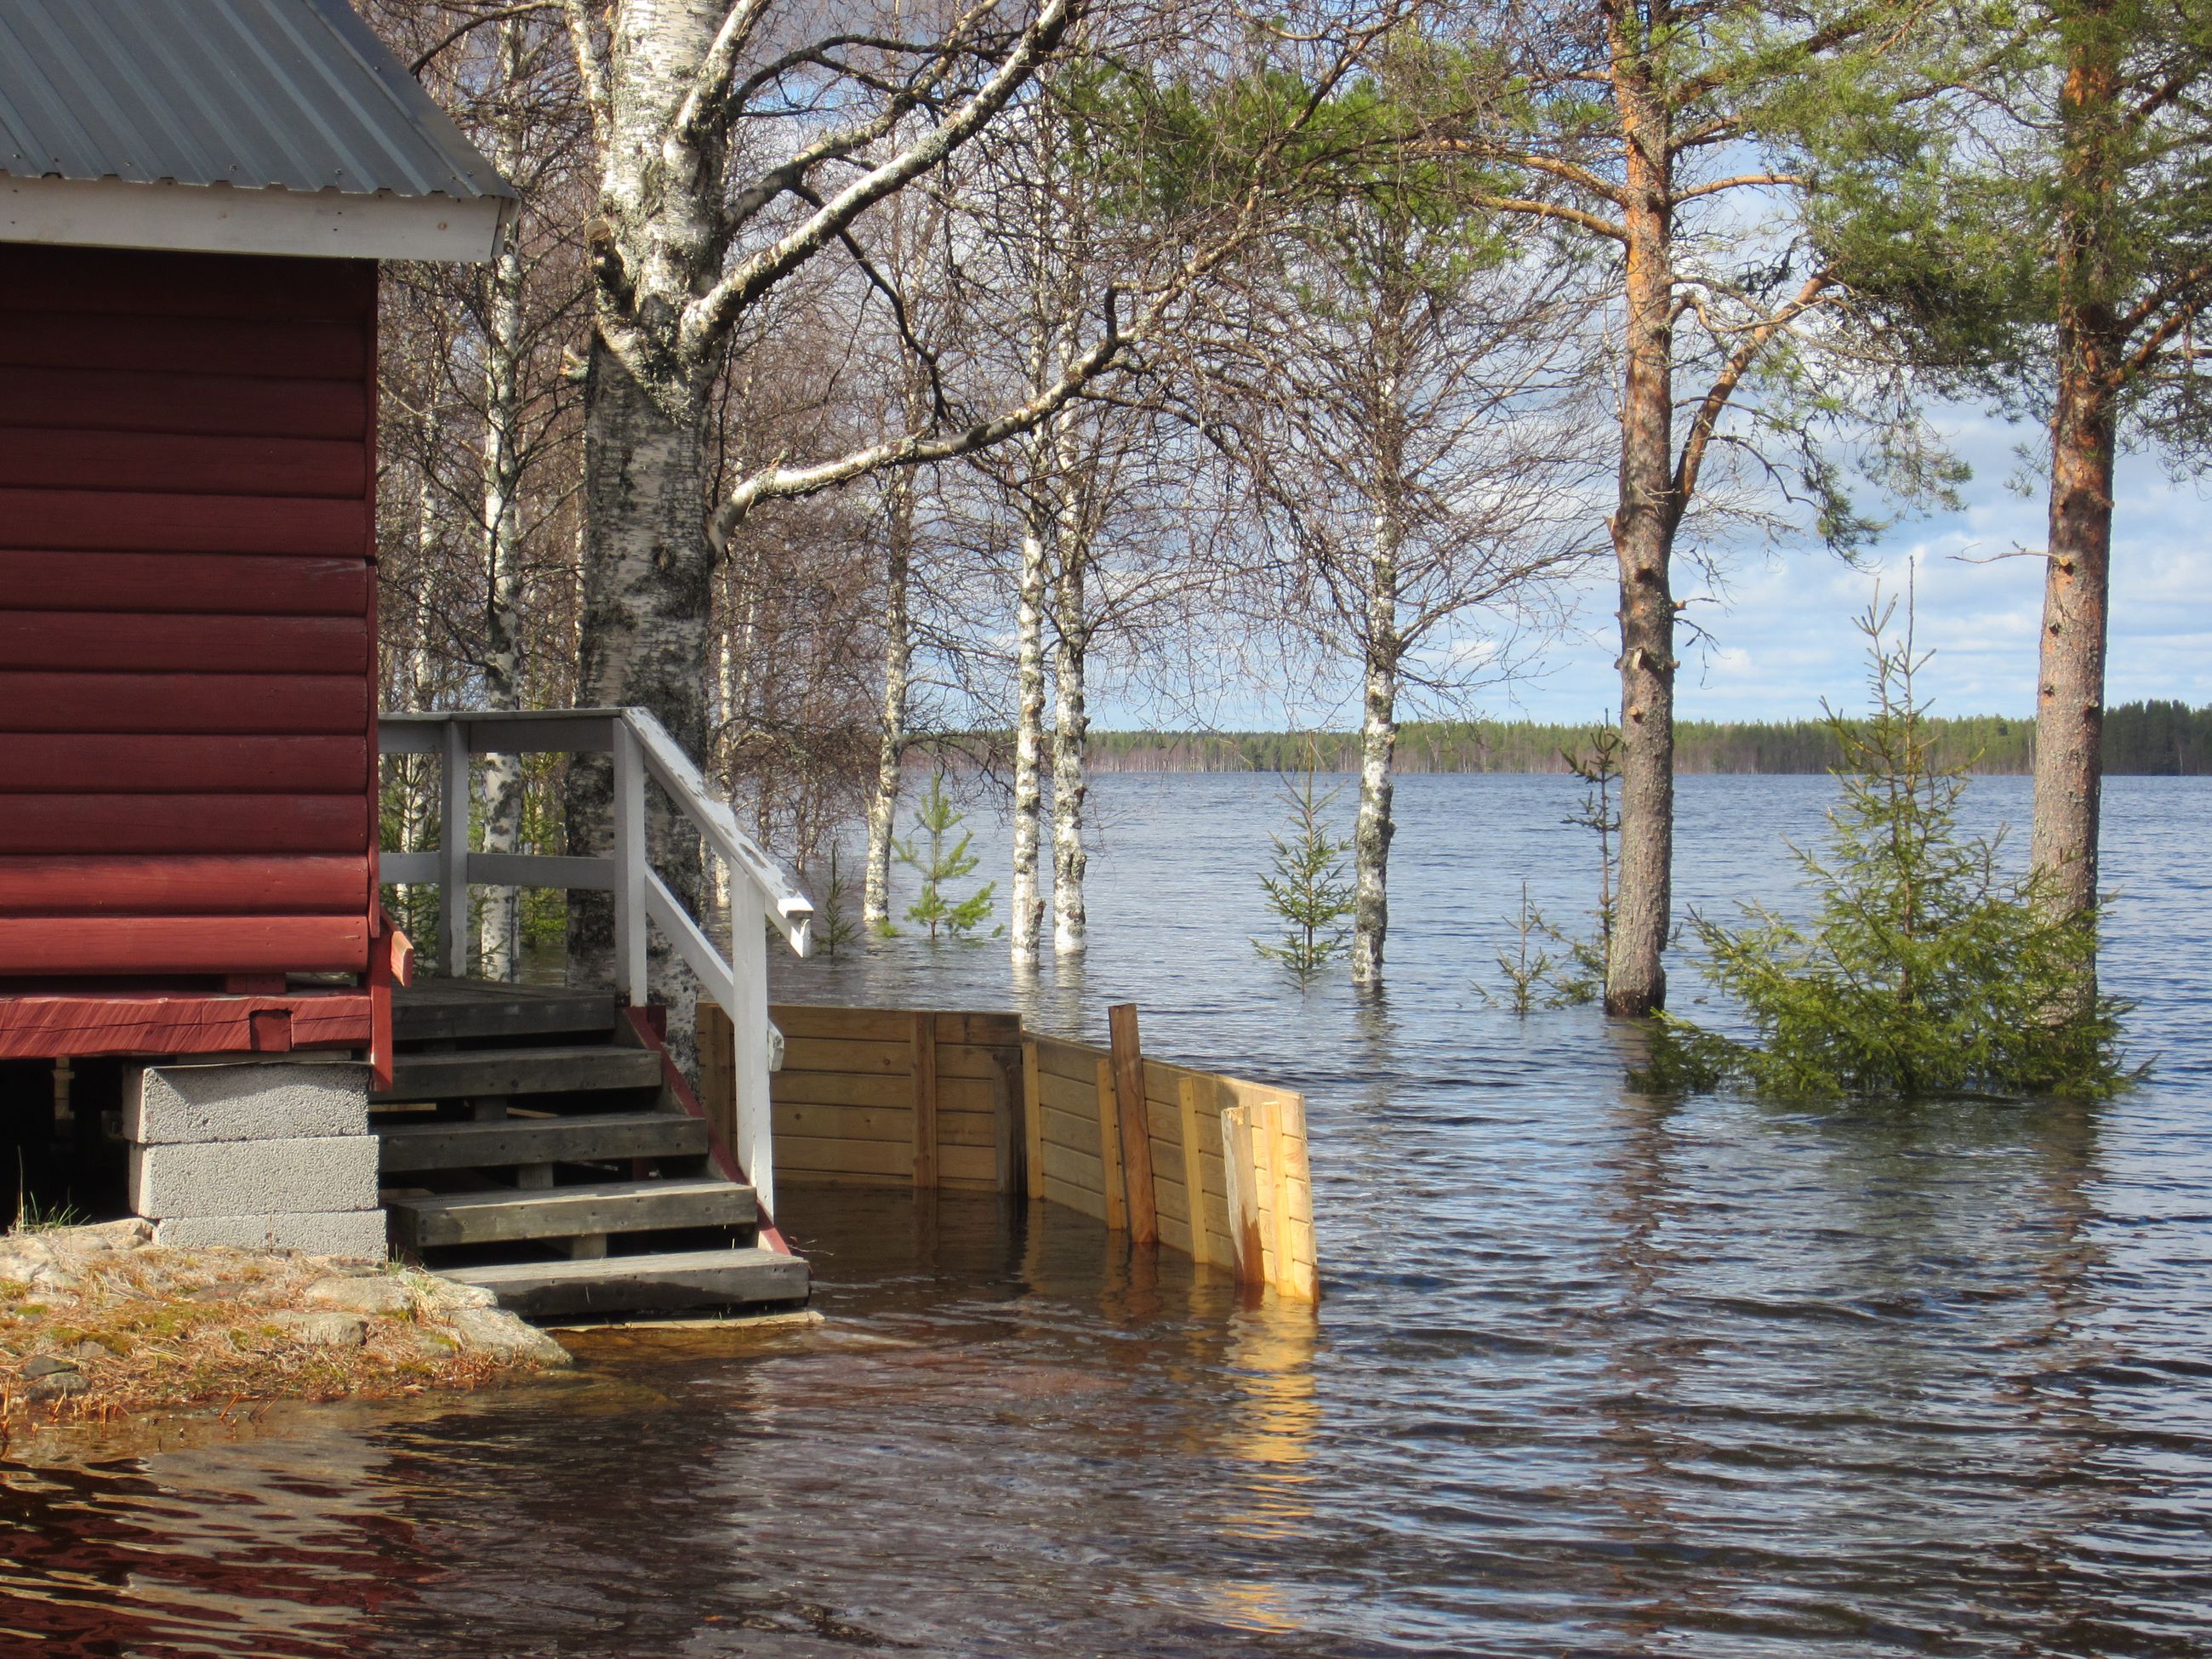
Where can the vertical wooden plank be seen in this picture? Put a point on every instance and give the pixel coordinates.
(1136, 1123)
(1242, 1181)
(1109, 1149)
(1202, 1247)
(1033, 1118)
(1006, 1137)
(717, 1077)
(1278, 1172)
(454, 800)
(925, 1102)
(1304, 1276)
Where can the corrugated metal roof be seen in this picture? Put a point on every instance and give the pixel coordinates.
(299, 95)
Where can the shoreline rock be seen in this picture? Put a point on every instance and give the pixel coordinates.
(101, 1319)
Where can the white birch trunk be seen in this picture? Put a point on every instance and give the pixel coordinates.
(1029, 739)
(891, 732)
(1379, 742)
(1071, 924)
(499, 939)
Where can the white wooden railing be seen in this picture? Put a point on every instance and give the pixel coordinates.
(760, 892)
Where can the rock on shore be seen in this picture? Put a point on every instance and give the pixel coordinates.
(96, 1319)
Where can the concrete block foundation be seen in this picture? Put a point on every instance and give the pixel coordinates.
(169, 1105)
(256, 1155)
(346, 1233)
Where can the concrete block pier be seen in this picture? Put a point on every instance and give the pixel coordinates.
(255, 1153)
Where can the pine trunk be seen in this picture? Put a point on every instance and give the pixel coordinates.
(2069, 709)
(1643, 524)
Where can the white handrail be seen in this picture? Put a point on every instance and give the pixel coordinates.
(641, 747)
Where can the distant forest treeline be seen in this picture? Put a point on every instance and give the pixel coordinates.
(2159, 738)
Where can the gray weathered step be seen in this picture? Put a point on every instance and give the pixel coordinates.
(507, 1213)
(434, 1010)
(475, 1073)
(595, 1137)
(642, 1283)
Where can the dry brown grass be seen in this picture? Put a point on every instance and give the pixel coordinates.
(152, 1328)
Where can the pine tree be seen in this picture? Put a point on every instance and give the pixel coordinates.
(1927, 969)
(1309, 890)
(940, 864)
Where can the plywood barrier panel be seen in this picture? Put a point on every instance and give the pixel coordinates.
(1011, 1111)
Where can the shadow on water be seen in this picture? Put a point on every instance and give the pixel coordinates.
(1595, 1374)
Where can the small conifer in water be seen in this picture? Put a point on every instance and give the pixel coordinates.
(941, 860)
(1926, 969)
(1309, 890)
(834, 925)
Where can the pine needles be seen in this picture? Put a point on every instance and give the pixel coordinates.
(1927, 969)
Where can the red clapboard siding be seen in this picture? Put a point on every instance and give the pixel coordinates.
(336, 885)
(76, 762)
(291, 349)
(183, 944)
(183, 823)
(215, 406)
(185, 284)
(97, 519)
(133, 461)
(187, 616)
(213, 644)
(331, 703)
(272, 584)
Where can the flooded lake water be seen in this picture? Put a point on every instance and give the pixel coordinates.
(1592, 1375)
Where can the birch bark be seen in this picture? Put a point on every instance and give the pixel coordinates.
(498, 944)
(1028, 901)
(1376, 826)
(1070, 924)
(891, 714)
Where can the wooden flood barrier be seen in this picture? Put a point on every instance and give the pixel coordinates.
(1213, 1167)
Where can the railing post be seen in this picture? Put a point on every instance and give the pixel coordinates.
(454, 798)
(756, 1147)
(629, 870)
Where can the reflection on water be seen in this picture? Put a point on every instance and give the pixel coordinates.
(1593, 1375)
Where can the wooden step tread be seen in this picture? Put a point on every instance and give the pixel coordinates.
(477, 1074)
(586, 1137)
(501, 1214)
(433, 1011)
(642, 1284)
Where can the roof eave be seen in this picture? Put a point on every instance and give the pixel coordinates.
(326, 224)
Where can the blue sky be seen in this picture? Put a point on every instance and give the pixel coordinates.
(1781, 634)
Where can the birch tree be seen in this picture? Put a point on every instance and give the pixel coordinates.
(1418, 428)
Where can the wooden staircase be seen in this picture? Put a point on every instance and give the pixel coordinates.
(531, 1145)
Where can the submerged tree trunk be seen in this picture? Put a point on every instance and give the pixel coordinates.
(1378, 744)
(499, 941)
(1643, 524)
(891, 716)
(1070, 924)
(2069, 705)
(1027, 919)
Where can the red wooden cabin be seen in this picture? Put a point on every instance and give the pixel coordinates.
(193, 196)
